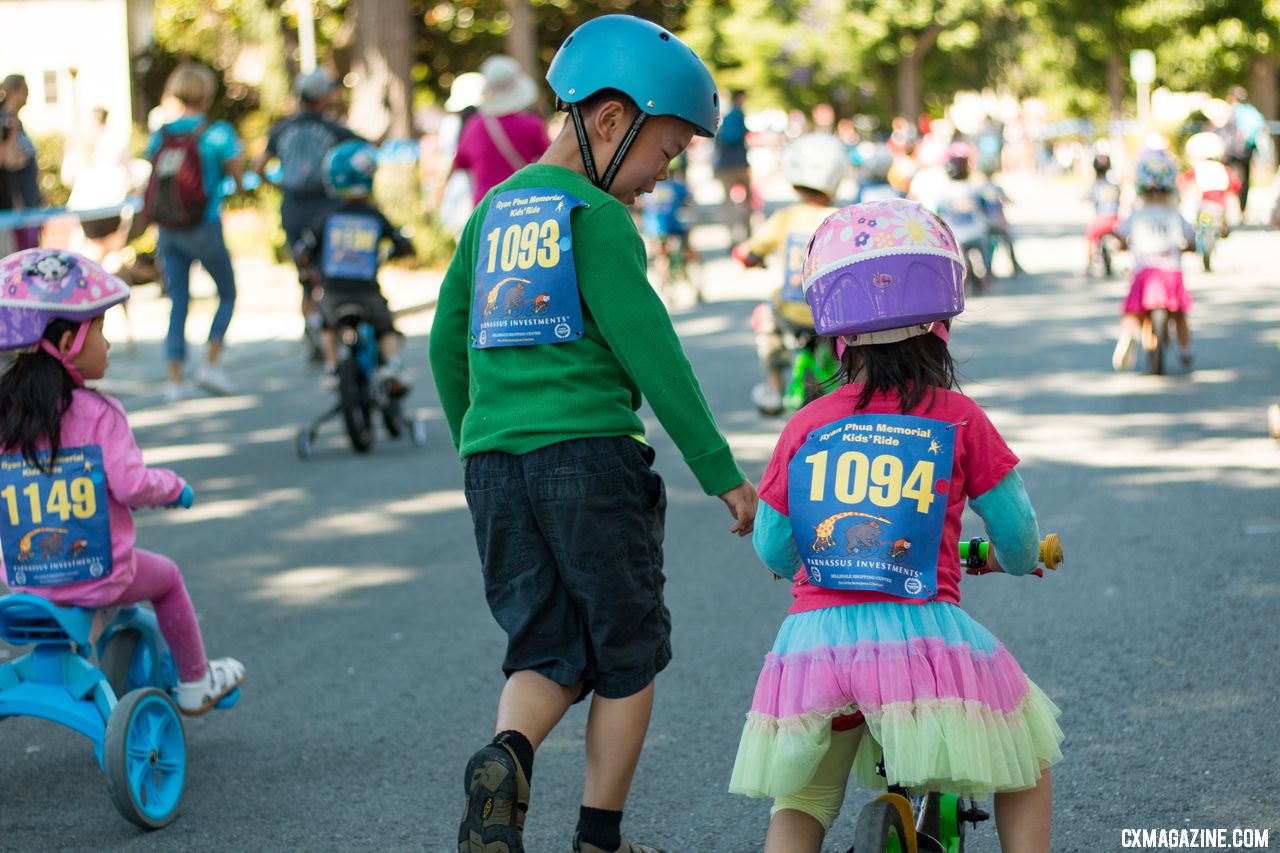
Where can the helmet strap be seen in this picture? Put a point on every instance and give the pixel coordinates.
(615, 163)
(65, 360)
(623, 147)
(584, 145)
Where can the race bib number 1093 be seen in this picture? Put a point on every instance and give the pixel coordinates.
(526, 284)
(868, 499)
(55, 528)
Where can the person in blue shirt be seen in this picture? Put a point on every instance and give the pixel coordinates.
(193, 86)
(1241, 135)
(732, 168)
(664, 224)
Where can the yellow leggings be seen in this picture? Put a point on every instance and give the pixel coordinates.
(822, 797)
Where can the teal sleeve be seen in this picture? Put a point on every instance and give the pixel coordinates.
(1011, 524)
(449, 345)
(773, 542)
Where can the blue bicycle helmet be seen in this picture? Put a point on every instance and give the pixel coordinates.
(643, 61)
(349, 169)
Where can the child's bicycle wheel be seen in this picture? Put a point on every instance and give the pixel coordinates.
(127, 664)
(144, 758)
(883, 827)
(357, 404)
(1155, 339)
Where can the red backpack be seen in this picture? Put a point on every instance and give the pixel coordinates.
(176, 196)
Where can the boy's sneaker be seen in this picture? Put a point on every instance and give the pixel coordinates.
(197, 697)
(396, 377)
(1126, 354)
(212, 378)
(497, 794)
(177, 391)
(580, 846)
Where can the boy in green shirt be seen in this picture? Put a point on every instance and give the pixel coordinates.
(546, 337)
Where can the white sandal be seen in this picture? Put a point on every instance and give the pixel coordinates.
(198, 697)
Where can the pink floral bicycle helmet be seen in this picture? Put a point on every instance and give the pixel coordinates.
(883, 271)
(38, 286)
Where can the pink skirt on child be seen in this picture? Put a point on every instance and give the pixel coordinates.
(1157, 288)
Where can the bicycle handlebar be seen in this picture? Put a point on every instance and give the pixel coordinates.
(978, 558)
(184, 500)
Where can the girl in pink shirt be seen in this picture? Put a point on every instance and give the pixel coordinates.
(861, 503)
(71, 472)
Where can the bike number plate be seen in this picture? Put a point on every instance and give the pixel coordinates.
(526, 290)
(351, 247)
(793, 267)
(55, 528)
(868, 500)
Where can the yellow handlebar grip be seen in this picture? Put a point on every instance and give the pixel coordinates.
(1051, 551)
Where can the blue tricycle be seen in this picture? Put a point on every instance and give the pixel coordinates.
(123, 704)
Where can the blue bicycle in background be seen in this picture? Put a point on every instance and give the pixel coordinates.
(362, 395)
(107, 674)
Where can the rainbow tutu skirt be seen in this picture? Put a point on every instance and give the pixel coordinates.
(946, 706)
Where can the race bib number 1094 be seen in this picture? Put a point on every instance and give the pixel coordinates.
(867, 497)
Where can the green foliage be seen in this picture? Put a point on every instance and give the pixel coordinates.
(455, 36)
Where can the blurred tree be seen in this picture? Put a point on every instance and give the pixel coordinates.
(455, 36)
(382, 65)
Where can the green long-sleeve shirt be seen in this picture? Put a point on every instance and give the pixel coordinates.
(518, 399)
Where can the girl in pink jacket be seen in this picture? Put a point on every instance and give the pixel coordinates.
(71, 472)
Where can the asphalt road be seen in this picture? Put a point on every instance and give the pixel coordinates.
(350, 587)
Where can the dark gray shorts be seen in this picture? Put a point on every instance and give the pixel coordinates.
(570, 540)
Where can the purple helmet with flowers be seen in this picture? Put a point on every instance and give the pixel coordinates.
(883, 271)
(38, 286)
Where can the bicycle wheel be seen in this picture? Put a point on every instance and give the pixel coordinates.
(125, 662)
(1158, 338)
(941, 822)
(880, 829)
(144, 757)
(1105, 251)
(357, 404)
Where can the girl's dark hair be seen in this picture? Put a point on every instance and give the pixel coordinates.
(907, 370)
(35, 392)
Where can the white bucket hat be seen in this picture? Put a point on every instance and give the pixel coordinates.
(467, 91)
(507, 89)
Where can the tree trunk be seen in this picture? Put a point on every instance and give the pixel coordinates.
(522, 40)
(1262, 86)
(382, 97)
(1115, 86)
(910, 81)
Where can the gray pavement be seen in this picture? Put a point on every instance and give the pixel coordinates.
(350, 585)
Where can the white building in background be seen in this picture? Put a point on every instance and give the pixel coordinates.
(75, 55)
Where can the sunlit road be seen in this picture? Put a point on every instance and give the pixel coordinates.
(350, 587)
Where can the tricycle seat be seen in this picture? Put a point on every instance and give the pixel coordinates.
(27, 619)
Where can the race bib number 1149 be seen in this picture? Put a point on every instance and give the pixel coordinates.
(54, 527)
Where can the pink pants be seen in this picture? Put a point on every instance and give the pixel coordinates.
(159, 581)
